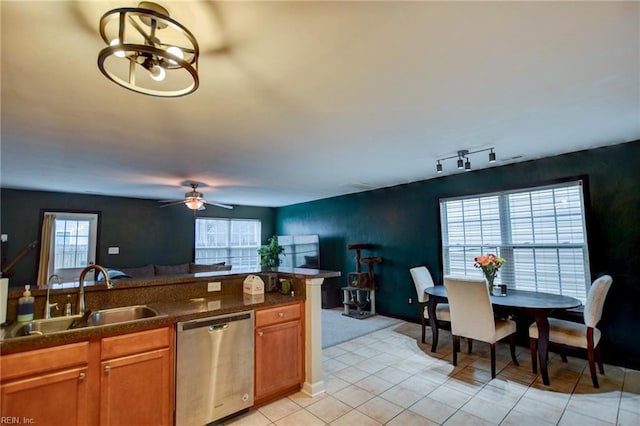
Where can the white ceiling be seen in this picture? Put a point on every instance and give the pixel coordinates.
(306, 100)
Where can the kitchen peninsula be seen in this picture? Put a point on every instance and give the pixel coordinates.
(175, 298)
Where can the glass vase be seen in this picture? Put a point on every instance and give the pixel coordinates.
(490, 285)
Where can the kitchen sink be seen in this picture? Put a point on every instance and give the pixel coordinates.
(95, 319)
(43, 326)
(117, 315)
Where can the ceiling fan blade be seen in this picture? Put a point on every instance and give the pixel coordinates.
(213, 203)
(202, 207)
(173, 203)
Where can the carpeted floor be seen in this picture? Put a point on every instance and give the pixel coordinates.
(338, 328)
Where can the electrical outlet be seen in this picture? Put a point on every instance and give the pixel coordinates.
(216, 286)
(410, 300)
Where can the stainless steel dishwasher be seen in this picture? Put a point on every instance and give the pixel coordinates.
(214, 368)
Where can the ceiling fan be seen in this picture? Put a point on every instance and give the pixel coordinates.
(194, 201)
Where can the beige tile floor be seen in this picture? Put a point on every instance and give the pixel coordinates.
(388, 378)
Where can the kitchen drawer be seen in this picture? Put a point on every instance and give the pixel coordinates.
(43, 360)
(133, 343)
(277, 314)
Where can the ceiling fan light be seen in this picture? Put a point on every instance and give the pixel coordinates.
(193, 203)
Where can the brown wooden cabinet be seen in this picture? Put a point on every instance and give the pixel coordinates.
(46, 386)
(119, 380)
(136, 385)
(279, 340)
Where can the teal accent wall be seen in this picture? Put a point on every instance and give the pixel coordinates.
(402, 221)
(145, 233)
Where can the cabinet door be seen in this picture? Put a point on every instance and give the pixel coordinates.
(56, 398)
(278, 357)
(136, 390)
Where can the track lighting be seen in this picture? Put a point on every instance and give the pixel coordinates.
(463, 159)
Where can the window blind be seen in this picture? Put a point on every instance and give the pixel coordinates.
(540, 231)
(234, 241)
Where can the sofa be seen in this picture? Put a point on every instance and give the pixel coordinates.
(150, 271)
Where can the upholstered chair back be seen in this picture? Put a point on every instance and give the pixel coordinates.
(595, 300)
(470, 306)
(421, 279)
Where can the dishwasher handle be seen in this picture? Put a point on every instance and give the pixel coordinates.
(218, 327)
(213, 322)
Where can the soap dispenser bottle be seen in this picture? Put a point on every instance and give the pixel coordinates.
(25, 305)
(67, 306)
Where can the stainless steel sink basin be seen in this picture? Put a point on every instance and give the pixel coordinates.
(98, 318)
(43, 326)
(117, 315)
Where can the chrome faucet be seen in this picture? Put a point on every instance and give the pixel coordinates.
(80, 309)
(48, 306)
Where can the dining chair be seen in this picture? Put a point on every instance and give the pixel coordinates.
(572, 334)
(472, 317)
(421, 280)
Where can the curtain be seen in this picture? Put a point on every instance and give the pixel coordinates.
(46, 245)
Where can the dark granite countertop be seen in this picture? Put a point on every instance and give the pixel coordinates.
(171, 312)
(171, 309)
(303, 273)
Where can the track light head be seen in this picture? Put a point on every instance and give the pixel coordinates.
(439, 167)
(460, 163)
(467, 166)
(492, 156)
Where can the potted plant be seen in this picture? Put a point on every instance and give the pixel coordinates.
(270, 253)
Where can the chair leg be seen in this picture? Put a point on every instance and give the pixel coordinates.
(493, 361)
(563, 355)
(533, 344)
(469, 344)
(599, 359)
(591, 358)
(512, 348)
(456, 349)
(424, 325)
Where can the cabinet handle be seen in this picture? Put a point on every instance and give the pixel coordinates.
(281, 314)
(107, 368)
(82, 376)
(260, 333)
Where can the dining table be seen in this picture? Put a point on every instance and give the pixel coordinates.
(533, 304)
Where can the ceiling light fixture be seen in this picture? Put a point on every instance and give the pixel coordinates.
(148, 51)
(463, 159)
(194, 203)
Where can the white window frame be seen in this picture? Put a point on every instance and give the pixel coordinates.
(68, 274)
(546, 247)
(237, 250)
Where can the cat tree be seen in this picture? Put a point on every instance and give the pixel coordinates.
(360, 291)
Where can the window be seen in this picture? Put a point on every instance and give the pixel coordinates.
(73, 244)
(540, 231)
(234, 241)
